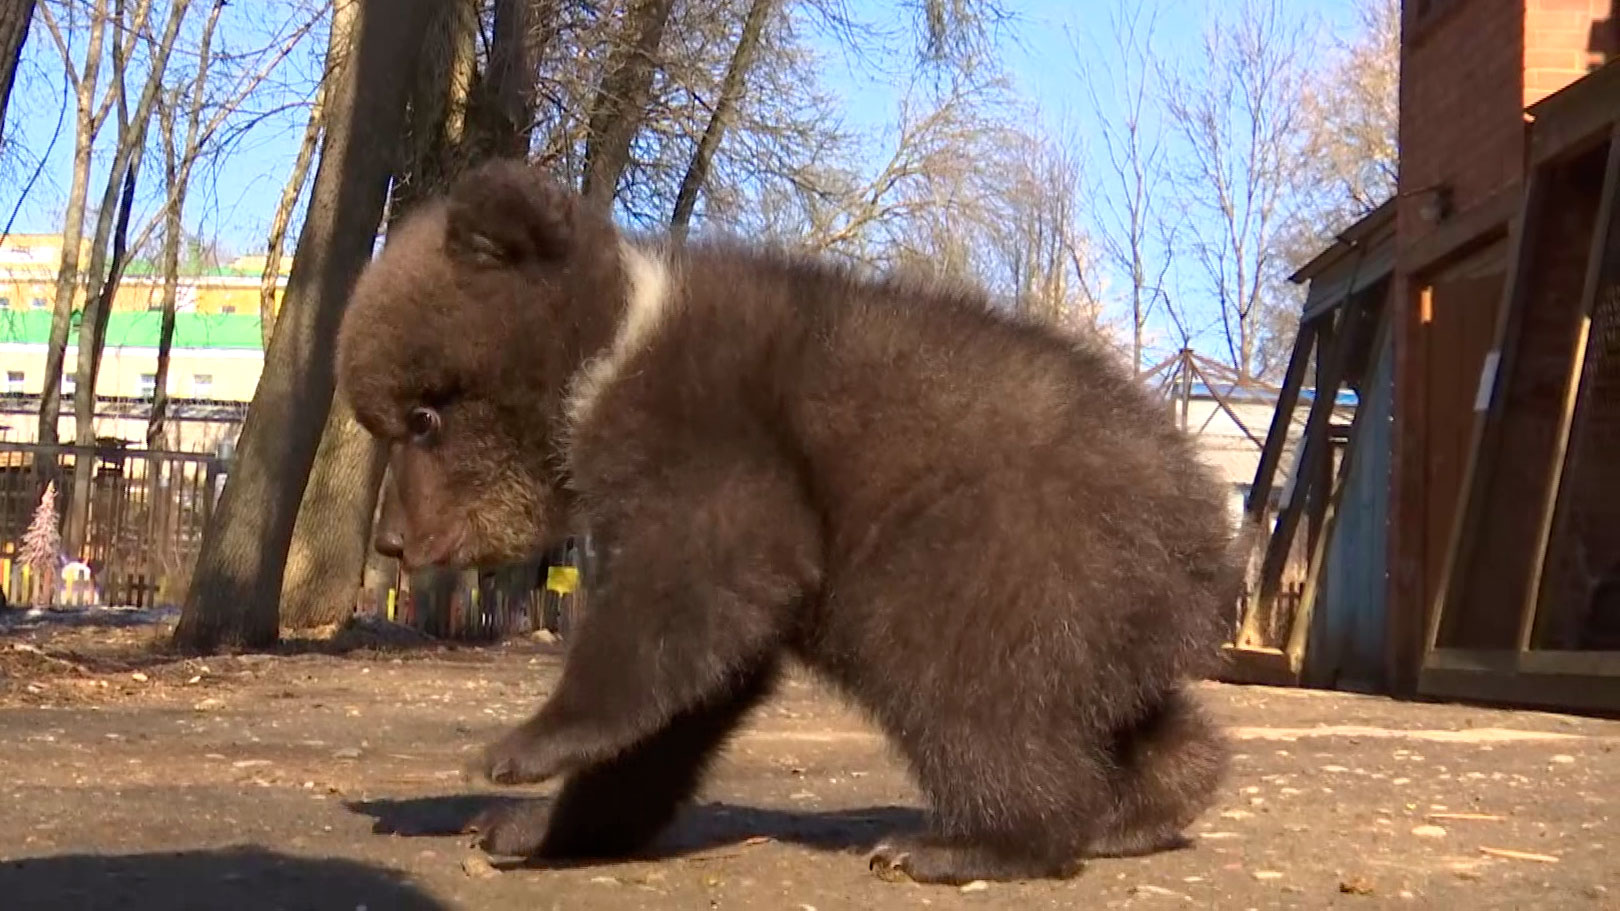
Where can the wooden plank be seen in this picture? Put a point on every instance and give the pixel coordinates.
(1220, 402)
(1256, 667)
(1474, 227)
(1282, 419)
(1314, 444)
(1554, 514)
(1574, 118)
(1299, 628)
(1585, 664)
(1493, 661)
(1482, 445)
(1563, 692)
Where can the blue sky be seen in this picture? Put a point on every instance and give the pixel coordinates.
(234, 203)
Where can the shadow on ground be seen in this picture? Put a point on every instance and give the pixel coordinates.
(701, 827)
(241, 879)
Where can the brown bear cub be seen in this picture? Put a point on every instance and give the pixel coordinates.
(984, 533)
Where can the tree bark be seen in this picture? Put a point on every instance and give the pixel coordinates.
(506, 95)
(86, 125)
(327, 556)
(731, 89)
(621, 100)
(236, 587)
(450, 130)
(15, 18)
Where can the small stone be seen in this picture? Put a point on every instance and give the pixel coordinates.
(1334, 768)
(543, 636)
(1405, 895)
(346, 753)
(142, 678)
(614, 881)
(195, 678)
(1563, 759)
(478, 868)
(207, 705)
(977, 885)
(1429, 831)
(1145, 889)
(1356, 885)
(249, 763)
(1266, 875)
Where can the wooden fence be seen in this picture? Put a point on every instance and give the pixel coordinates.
(146, 515)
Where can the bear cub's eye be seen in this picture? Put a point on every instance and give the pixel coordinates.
(422, 423)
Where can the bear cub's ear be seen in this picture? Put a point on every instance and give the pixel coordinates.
(505, 213)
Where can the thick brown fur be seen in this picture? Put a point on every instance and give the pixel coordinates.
(985, 533)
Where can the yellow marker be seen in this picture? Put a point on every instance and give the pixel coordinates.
(563, 580)
(391, 597)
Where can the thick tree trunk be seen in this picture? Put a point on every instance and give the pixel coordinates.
(621, 100)
(15, 18)
(236, 587)
(327, 557)
(326, 564)
(507, 91)
(731, 89)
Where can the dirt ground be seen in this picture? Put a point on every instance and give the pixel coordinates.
(309, 779)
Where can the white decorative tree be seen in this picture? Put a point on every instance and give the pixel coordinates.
(42, 548)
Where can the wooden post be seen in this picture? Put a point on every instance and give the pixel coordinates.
(1555, 512)
(1487, 425)
(1281, 419)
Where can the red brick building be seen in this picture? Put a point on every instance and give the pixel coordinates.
(1473, 74)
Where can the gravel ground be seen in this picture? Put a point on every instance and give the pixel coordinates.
(315, 777)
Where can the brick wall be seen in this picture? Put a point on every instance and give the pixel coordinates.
(1564, 40)
(1469, 68)
(1462, 91)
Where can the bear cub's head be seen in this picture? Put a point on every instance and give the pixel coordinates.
(457, 350)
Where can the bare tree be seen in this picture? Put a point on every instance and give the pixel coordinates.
(1237, 112)
(1042, 254)
(1351, 114)
(113, 216)
(236, 586)
(1135, 223)
(90, 113)
(297, 177)
(731, 89)
(15, 18)
(621, 99)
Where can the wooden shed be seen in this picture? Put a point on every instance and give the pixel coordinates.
(1462, 535)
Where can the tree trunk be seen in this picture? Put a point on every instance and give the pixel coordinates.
(507, 91)
(296, 179)
(236, 586)
(67, 273)
(327, 558)
(92, 336)
(177, 163)
(731, 89)
(115, 202)
(621, 100)
(157, 423)
(15, 18)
